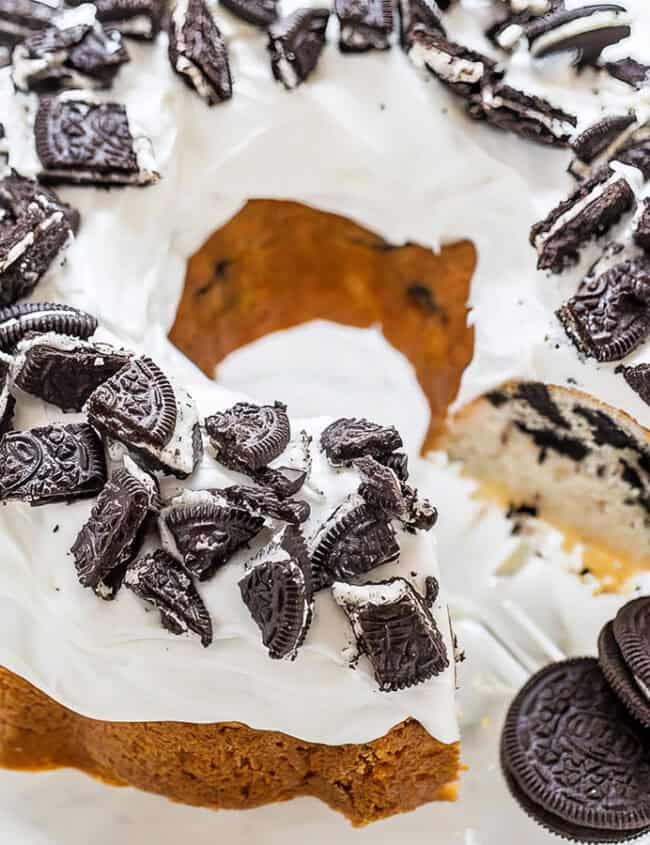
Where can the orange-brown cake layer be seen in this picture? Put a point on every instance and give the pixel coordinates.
(227, 765)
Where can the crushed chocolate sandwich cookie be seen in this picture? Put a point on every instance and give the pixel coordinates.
(638, 378)
(81, 140)
(249, 436)
(35, 230)
(395, 629)
(160, 580)
(295, 45)
(349, 438)
(29, 318)
(7, 401)
(109, 540)
(140, 19)
(277, 592)
(508, 32)
(197, 51)
(585, 31)
(589, 212)
(20, 18)
(74, 53)
(258, 12)
(420, 13)
(141, 409)
(621, 678)
(364, 24)
(382, 489)
(574, 759)
(267, 504)
(354, 539)
(54, 463)
(64, 371)
(530, 117)
(203, 530)
(628, 70)
(621, 137)
(462, 70)
(609, 316)
(641, 225)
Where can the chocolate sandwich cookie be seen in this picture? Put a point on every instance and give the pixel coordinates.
(203, 530)
(69, 55)
(638, 378)
(364, 24)
(295, 44)
(590, 211)
(267, 504)
(585, 31)
(420, 13)
(110, 539)
(394, 628)
(35, 230)
(20, 18)
(161, 581)
(630, 71)
(64, 371)
(641, 232)
(621, 678)
(349, 438)
(141, 409)
(248, 435)
(596, 145)
(609, 316)
(631, 629)
(277, 592)
(508, 32)
(83, 141)
(258, 12)
(383, 490)
(574, 759)
(462, 70)
(140, 19)
(7, 401)
(29, 318)
(354, 539)
(197, 51)
(54, 463)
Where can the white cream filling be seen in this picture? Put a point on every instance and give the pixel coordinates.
(509, 36)
(136, 25)
(537, 7)
(580, 26)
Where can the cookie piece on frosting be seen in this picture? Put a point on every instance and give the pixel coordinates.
(109, 540)
(142, 410)
(295, 44)
(203, 530)
(81, 140)
(29, 318)
(420, 13)
(574, 759)
(530, 117)
(590, 211)
(364, 24)
(598, 143)
(609, 316)
(160, 580)
(621, 678)
(76, 52)
(630, 71)
(248, 435)
(20, 18)
(7, 401)
(267, 504)
(198, 53)
(64, 371)
(395, 629)
(641, 226)
(585, 31)
(258, 12)
(140, 19)
(638, 378)
(35, 230)
(349, 438)
(277, 592)
(384, 491)
(53, 463)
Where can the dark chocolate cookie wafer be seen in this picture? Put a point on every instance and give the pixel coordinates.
(64, 371)
(610, 314)
(596, 145)
(364, 24)
(630, 71)
(51, 464)
(590, 211)
(249, 436)
(7, 401)
(277, 592)
(582, 763)
(258, 12)
(422, 13)
(394, 627)
(621, 678)
(160, 580)
(295, 45)
(80, 140)
(585, 30)
(380, 487)
(638, 377)
(349, 438)
(203, 530)
(20, 18)
(140, 19)
(18, 321)
(641, 233)
(266, 503)
(198, 53)
(533, 118)
(354, 539)
(109, 540)
(632, 631)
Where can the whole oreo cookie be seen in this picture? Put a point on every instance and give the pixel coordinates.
(621, 678)
(18, 321)
(249, 436)
(631, 628)
(349, 438)
(295, 44)
(258, 12)
(574, 758)
(364, 24)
